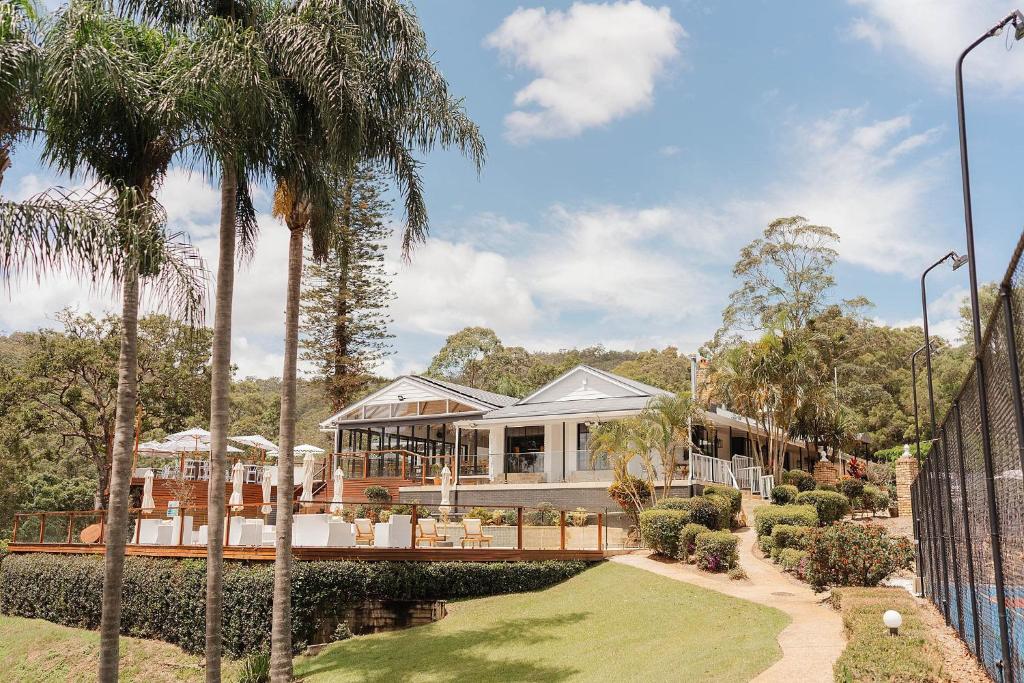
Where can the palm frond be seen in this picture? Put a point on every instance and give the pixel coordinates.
(181, 284)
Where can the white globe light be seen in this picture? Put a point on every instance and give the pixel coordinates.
(892, 618)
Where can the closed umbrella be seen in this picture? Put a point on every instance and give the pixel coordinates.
(237, 472)
(339, 491)
(148, 504)
(267, 483)
(308, 467)
(446, 488)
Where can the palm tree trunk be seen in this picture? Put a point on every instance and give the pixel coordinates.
(120, 480)
(220, 386)
(281, 636)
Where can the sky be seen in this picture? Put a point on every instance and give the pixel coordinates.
(634, 147)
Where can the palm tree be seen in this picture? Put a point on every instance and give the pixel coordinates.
(18, 67)
(100, 78)
(362, 87)
(672, 418)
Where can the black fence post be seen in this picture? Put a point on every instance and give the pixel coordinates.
(942, 588)
(968, 541)
(929, 529)
(915, 511)
(1011, 350)
(943, 442)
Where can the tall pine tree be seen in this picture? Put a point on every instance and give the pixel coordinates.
(345, 299)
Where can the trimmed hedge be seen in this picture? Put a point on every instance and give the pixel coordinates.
(788, 536)
(716, 551)
(706, 510)
(165, 599)
(672, 503)
(831, 507)
(784, 494)
(734, 496)
(687, 539)
(659, 530)
(874, 498)
(804, 481)
(724, 510)
(767, 516)
(790, 559)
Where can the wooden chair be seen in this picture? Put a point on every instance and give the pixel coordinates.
(426, 530)
(474, 533)
(364, 530)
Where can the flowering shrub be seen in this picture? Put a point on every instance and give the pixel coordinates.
(804, 481)
(716, 551)
(794, 561)
(856, 468)
(831, 507)
(688, 539)
(847, 554)
(784, 494)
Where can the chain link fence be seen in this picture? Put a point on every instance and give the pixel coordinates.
(969, 497)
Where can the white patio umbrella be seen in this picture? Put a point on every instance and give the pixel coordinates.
(309, 448)
(308, 467)
(237, 472)
(446, 488)
(267, 483)
(339, 491)
(148, 504)
(255, 441)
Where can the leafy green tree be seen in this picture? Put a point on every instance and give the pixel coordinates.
(666, 369)
(672, 419)
(18, 69)
(463, 353)
(346, 294)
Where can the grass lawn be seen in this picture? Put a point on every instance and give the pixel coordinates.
(610, 623)
(872, 655)
(38, 651)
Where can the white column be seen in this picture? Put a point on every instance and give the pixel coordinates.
(495, 450)
(550, 450)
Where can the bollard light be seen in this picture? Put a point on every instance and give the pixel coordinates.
(893, 620)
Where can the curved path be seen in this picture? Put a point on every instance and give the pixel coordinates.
(813, 640)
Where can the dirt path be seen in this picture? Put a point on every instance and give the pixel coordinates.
(813, 640)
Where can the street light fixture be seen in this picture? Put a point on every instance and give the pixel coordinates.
(1017, 20)
(957, 262)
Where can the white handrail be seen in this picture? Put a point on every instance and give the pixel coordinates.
(767, 484)
(715, 470)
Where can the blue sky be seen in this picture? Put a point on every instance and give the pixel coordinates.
(634, 147)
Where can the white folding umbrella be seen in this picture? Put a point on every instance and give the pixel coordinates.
(339, 491)
(308, 467)
(267, 483)
(237, 472)
(148, 504)
(309, 448)
(446, 488)
(255, 441)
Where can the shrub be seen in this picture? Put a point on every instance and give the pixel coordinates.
(626, 491)
(848, 554)
(255, 668)
(707, 511)
(715, 551)
(341, 632)
(793, 560)
(724, 510)
(577, 517)
(687, 539)
(672, 503)
(767, 516)
(377, 494)
(784, 494)
(483, 514)
(831, 507)
(786, 536)
(894, 453)
(660, 529)
(852, 488)
(828, 487)
(163, 599)
(804, 481)
(738, 573)
(734, 496)
(545, 514)
(874, 498)
(505, 517)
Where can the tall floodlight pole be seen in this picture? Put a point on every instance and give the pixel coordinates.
(958, 262)
(1005, 665)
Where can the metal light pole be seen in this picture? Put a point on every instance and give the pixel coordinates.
(1017, 19)
(958, 262)
(913, 389)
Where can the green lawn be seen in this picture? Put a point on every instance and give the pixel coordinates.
(41, 652)
(609, 623)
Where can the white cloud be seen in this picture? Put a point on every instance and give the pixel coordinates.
(595, 63)
(935, 33)
(670, 151)
(192, 204)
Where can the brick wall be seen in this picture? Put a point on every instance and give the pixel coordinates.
(906, 473)
(826, 473)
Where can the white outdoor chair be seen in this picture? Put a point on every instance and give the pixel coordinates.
(340, 534)
(147, 534)
(269, 534)
(395, 533)
(252, 533)
(310, 530)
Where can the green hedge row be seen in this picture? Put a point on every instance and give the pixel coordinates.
(165, 599)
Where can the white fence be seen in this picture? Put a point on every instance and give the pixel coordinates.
(767, 484)
(749, 478)
(715, 470)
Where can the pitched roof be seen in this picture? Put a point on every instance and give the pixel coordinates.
(579, 407)
(477, 394)
(639, 386)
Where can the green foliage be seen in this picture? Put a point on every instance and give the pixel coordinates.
(733, 495)
(828, 487)
(804, 481)
(545, 514)
(831, 506)
(667, 369)
(163, 599)
(377, 494)
(853, 489)
(577, 518)
(789, 536)
(784, 494)
(896, 452)
(847, 554)
(341, 632)
(631, 493)
(724, 510)
(715, 551)
(483, 514)
(660, 530)
(767, 516)
(255, 668)
(672, 504)
(793, 560)
(705, 510)
(687, 539)
(738, 573)
(874, 498)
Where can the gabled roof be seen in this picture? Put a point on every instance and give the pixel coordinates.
(587, 406)
(481, 401)
(616, 386)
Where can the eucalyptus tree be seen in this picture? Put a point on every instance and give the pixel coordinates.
(362, 87)
(100, 80)
(18, 67)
